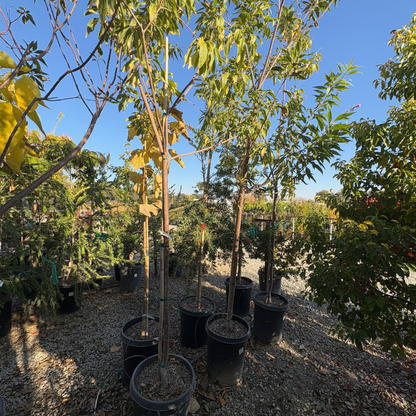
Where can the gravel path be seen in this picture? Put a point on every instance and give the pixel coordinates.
(70, 365)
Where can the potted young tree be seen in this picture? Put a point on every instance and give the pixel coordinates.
(194, 241)
(282, 257)
(140, 334)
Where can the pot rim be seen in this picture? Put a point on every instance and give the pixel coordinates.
(271, 307)
(142, 342)
(159, 405)
(226, 340)
(241, 286)
(195, 313)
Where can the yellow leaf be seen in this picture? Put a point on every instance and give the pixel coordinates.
(136, 177)
(152, 209)
(173, 137)
(173, 153)
(143, 210)
(137, 188)
(26, 90)
(9, 115)
(15, 157)
(263, 151)
(131, 134)
(156, 157)
(139, 159)
(8, 93)
(158, 180)
(6, 61)
(176, 114)
(147, 209)
(157, 185)
(157, 203)
(180, 127)
(369, 223)
(33, 115)
(363, 227)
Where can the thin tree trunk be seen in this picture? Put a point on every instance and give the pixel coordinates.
(273, 242)
(145, 319)
(240, 261)
(200, 271)
(207, 179)
(163, 350)
(237, 232)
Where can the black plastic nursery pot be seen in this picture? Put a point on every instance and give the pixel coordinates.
(135, 351)
(131, 281)
(178, 406)
(6, 319)
(68, 303)
(225, 356)
(242, 297)
(277, 282)
(268, 318)
(120, 269)
(193, 333)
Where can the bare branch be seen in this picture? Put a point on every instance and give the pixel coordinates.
(202, 150)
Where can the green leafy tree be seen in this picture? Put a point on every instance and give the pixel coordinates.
(363, 273)
(249, 90)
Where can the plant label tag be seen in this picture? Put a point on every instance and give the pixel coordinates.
(241, 350)
(166, 235)
(71, 294)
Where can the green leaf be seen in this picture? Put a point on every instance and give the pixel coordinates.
(203, 52)
(152, 10)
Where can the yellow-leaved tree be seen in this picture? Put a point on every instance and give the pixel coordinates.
(140, 160)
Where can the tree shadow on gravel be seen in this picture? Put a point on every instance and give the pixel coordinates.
(70, 365)
(13, 363)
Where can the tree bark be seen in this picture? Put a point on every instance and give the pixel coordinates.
(145, 320)
(237, 231)
(207, 178)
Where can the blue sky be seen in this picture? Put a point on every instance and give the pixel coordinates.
(355, 30)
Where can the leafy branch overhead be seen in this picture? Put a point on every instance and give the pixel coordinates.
(16, 96)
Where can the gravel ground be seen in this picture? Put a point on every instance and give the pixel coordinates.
(71, 364)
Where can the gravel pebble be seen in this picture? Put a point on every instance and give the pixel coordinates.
(71, 364)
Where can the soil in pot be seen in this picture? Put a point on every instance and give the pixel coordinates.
(6, 319)
(269, 317)
(226, 349)
(135, 347)
(242, 297)
(150, 399)
(193, 320)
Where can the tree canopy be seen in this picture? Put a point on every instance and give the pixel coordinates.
(364, 273)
